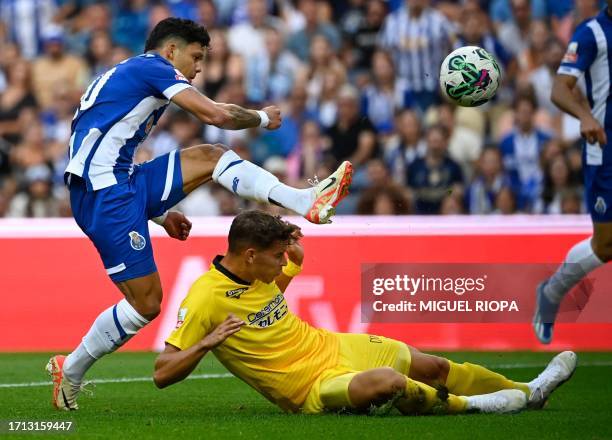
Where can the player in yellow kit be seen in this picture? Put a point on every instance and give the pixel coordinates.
(237, 310)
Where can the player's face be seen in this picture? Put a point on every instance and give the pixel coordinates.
(268, 263)
(188, 59)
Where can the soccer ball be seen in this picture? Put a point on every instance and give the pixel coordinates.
(469, 76)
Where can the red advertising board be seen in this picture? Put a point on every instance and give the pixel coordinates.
(53, 285)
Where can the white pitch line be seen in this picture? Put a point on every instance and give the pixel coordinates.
(115, 380)
(228, 375)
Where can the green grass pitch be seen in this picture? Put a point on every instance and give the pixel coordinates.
(224, 407)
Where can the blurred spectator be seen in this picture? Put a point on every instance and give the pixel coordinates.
(31, 150)
(541, 79)
(557, 182)
(505, 202)
(521, 151)
(325, 78)
(489, 180)
(207, 14)
(37, 199)
(94, 19)
(385, 95)
(363, 34)
(310, 151)
(452, 205)
(532, 57)
(99, 53)
(436, 175)
(215, 67)
(130, 25)
(295, 116)
(384, 200)
(270, 76)
(352, 137)
(406, 146)
(248, 39)
(300, 42)
(14, 99)
(464, 143)
(57, 68)
(27, 21)
(571, 202)
(475, 31)
(419, 37)
(514, 33)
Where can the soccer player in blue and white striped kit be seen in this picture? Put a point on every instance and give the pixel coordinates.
(588, 54)
(112, 199)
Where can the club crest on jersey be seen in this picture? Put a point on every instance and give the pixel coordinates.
(181, 317)
(149, 124)
(137, 241)
(235, 293)
(600, 205)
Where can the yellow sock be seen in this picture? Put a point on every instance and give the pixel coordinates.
(420, 398)
(469, 379)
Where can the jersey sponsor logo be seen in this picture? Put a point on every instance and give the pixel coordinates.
(137, 241)
(235, 184)
(179, 76)
(273, 312)
(571, 55)
(235, 293)
(600, 205)
(181, 317)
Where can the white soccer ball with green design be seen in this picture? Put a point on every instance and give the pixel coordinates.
(469, 76)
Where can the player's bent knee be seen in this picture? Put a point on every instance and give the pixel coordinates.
(205, 153)
(376, 386)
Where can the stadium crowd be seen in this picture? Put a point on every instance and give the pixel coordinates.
(356, 80)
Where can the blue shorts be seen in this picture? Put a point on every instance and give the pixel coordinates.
(597, 170)
(116, 218)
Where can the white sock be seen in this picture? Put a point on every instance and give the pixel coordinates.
(252, 182)
(580, 261)
(111, 329)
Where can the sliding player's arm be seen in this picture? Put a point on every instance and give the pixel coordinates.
(174, 364)
(565, 96)
(295, 256)
(227, 116)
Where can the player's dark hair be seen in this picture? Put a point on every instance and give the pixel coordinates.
(172, 27)
(259, 230)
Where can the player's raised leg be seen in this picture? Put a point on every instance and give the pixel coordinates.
(581, 259)
(202, 163)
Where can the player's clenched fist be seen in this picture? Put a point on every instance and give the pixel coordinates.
(274, 114)
(223, 331)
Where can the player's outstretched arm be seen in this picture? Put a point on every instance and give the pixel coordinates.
(174, 364)
(565, 98)
(227, 116)
(295, 254)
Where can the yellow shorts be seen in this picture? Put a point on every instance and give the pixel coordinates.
(357, 353)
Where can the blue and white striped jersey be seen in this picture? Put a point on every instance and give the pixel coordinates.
(418, 45)
(588, 53)
(116, 113)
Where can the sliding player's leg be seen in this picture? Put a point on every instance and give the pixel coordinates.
(464, 379)
(469, 379)
(203, 163)
(362, 391)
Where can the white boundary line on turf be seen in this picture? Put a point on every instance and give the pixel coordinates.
(228, 375)
(115, 380)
